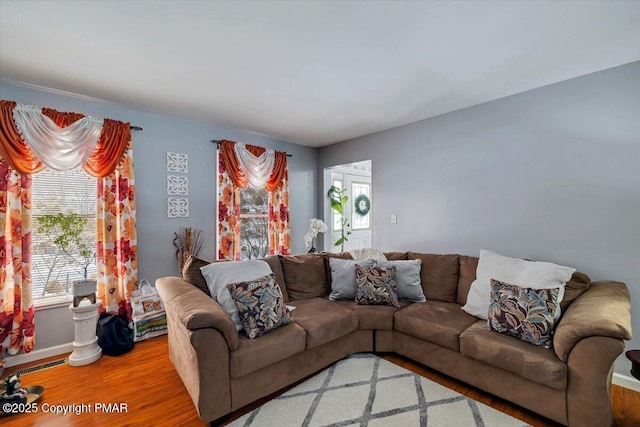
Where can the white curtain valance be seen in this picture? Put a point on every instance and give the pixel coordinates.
(57, 148)
(258, 169)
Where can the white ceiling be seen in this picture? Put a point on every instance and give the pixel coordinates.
(314, 72)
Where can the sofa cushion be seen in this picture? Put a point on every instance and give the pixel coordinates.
(372, 317)
(408, 279)
(576, 286)
(260, 305)
(276, 267)
(343, 277)
(270, 348)
(524, 313)
(438, 322)
(468, 267)
(535, 363)
(305, 276)
(376, 286)
(439, 275)
(396, 256)
(322, 320)
(192, 274)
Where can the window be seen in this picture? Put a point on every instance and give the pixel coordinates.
(72, 194)
(254, 223)
(358, 189)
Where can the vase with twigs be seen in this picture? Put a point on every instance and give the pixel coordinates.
(188, 241)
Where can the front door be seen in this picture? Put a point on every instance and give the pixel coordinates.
(357, 211)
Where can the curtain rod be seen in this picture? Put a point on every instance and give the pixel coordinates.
(135, 128)
(218, 141)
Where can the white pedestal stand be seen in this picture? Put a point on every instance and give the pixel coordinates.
(85, 344)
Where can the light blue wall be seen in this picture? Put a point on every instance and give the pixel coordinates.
(551, 174)
(156, 254)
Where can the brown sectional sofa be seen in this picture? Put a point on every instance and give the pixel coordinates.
(223, 370)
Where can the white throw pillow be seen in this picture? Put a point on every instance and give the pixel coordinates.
(367, 253)
(408, 280)
(219, 274)
(526, 274)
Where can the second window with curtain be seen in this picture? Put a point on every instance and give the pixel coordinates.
(253, 202)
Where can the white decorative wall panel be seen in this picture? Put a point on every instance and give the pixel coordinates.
(177, 207)
(177, 162)
(177, 185)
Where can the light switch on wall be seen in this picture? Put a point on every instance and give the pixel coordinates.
(394, 218)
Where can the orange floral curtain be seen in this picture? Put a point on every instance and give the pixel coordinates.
(12, 148)
(279, 230)
(238, 177)
(228, 214)
(111, 162)
(117, 242)
(231, 178)
(17, 328)
(111, 146)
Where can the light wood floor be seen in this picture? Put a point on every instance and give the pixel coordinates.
(146, 382)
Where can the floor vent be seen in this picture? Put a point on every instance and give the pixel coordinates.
(42, 366)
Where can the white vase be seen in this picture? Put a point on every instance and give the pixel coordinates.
(85, 288)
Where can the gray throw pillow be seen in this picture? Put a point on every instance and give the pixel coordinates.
(343, 277)
(219, 274)
(408, 280)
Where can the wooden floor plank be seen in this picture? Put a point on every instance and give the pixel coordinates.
(145, 380)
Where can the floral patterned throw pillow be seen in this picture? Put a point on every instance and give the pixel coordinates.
(524, 313)
(376, 285)
(260, 305)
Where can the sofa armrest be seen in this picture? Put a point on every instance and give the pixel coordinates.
(196, 310)
(603, 310)
(589, 381)
(201, 359)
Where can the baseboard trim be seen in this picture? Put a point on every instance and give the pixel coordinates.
(20, 359)
(626, 381)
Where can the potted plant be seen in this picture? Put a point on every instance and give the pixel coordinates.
(315, 226)
(67, 232)
(338, 203)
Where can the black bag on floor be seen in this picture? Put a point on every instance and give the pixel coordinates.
(114, 335)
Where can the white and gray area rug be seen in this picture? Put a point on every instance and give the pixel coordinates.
(365, 390)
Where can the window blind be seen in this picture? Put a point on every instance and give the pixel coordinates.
(54, 192)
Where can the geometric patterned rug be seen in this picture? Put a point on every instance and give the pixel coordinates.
(365, 390)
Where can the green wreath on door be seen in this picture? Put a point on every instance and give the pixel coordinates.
(362, 205)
